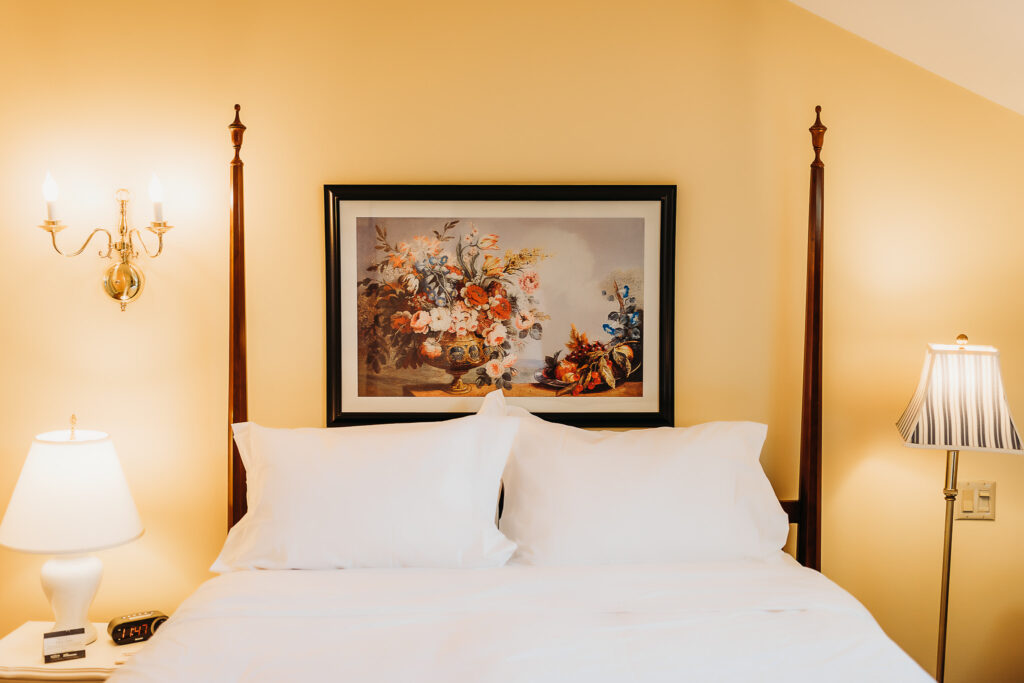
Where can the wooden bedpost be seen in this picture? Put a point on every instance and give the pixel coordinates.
(808, 549)
(238, 404)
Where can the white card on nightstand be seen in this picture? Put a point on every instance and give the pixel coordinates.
(59, 646)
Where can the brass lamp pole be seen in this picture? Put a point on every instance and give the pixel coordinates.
(947, 549)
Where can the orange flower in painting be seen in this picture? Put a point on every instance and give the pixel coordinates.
(501, 309)
(524, 320)
(489, 241)
(420, 322)
(430, 348)
(494, 368)
(402, 321)
(396, 260)
(529, 282)
(475, 295)
(492, 266)
(495, 335)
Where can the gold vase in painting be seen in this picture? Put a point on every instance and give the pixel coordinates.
(458, 356)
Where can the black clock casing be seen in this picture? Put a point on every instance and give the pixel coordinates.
(132, 628)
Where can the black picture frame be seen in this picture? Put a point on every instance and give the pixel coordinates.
(665, 195)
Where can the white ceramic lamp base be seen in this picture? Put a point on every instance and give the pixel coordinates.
(70, 584)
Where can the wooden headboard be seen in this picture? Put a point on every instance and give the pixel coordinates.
(805, 512)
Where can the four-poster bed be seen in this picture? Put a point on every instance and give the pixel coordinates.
(660, 588)
(804, 511)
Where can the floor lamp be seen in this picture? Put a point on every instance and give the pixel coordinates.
(960, 404)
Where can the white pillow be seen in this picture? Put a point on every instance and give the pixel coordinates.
(648, 495)
(396, 495)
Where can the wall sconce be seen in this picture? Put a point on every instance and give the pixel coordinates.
(123, 281)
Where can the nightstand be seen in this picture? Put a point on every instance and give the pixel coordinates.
(21, 656)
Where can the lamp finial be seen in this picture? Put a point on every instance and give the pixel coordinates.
(74, 421)
(961, 340)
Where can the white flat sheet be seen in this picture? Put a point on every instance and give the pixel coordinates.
(737, 621)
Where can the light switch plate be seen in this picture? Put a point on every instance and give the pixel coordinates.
(976, 500)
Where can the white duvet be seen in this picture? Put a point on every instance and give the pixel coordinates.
(736, 621)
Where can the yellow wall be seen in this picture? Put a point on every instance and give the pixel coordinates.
(923, 232)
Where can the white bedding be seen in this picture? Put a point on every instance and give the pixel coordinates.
(735, 621)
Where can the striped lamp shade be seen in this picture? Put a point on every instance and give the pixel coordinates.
(960, 403)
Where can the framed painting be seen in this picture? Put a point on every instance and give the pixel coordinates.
(561, 296)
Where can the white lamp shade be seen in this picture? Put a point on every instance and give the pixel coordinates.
(960, 403)
(71, 497)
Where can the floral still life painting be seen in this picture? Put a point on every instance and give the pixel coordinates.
(530, 306)
(559, 296)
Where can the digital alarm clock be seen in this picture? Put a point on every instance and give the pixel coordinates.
(132, 628)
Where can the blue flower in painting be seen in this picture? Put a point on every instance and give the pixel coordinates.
(634, 317)
(608, 328)
(625, 290)
(437, 260)
(436, 293)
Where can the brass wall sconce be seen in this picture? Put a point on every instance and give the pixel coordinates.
(123, 281)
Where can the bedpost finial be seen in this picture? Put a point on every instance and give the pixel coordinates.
(237, 123)
(237, 130)
(817, 136)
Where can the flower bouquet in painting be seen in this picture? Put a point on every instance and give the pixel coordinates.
(450, 301)
(593, 365)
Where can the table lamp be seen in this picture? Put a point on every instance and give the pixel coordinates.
(959, 404)
(70, 500)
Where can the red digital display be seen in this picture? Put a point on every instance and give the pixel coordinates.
(131, 632)
(133, 628)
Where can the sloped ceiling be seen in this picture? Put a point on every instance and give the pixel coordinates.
(977, 44)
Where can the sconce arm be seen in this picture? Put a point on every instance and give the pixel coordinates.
(104, 254)
(134, 234)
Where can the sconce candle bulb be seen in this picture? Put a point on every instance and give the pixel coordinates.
(156, 195)
(50, 196)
